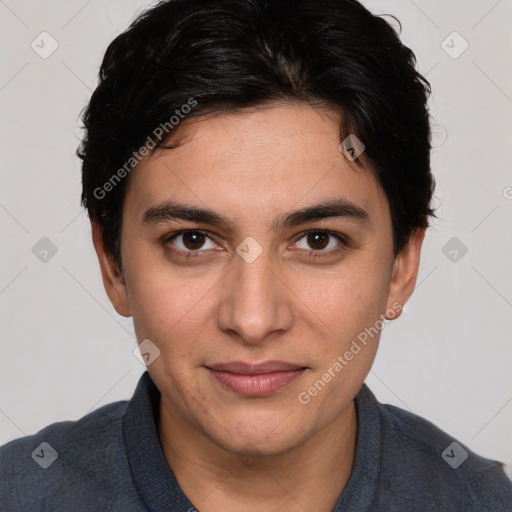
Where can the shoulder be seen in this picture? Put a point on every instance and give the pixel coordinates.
(83, 455)
(78, 440)
(442, 470)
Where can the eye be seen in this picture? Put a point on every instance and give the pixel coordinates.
(321, 242)
(191, 241)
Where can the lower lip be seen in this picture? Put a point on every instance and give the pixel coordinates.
(255, 384)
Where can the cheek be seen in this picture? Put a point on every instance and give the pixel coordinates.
(347, 331)
(347, 303)
(175, 310)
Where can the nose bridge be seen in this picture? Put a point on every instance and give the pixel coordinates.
(255, 281)
(254, 303)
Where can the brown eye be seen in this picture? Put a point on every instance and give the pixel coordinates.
(318, 240)
(191, 241)
(321, 241)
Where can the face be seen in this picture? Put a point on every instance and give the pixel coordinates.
(254, 256)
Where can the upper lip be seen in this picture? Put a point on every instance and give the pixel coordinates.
(244, 368)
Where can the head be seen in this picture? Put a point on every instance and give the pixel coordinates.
(229, 219)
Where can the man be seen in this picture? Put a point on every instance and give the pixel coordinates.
(257, 174)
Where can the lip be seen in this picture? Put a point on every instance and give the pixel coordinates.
(255, 380)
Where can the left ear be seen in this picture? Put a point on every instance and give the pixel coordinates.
(405, 273)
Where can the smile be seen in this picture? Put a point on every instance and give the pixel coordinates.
(255, 380)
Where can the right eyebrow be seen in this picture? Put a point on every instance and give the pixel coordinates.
(171, 210)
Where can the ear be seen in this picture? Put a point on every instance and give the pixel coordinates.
(405, 273)
(113, 280)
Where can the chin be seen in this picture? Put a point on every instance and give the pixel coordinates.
(256, 437)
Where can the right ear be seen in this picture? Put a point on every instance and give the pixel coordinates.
(113, 280)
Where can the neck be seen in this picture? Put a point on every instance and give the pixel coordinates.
(311, 476)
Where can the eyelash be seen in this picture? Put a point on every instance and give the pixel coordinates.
(344, 243)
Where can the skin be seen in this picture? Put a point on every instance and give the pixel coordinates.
(230, 452)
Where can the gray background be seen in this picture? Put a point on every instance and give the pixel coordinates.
(64, 349)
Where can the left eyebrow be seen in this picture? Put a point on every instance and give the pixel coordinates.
(171, 210)
(324, 210)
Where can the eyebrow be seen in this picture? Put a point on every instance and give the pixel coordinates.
(171, 210)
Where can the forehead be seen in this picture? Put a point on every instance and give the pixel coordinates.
(255, 163)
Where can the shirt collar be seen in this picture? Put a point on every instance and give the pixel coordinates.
(361, 488)
(152, 476)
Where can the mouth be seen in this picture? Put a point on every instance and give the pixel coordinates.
(255, 380)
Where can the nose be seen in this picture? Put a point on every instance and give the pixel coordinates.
(256, 305)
